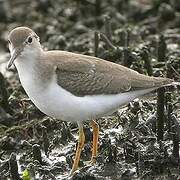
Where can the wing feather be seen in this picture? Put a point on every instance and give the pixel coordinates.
(86, 75)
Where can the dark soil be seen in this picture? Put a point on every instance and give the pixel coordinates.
(140, 140)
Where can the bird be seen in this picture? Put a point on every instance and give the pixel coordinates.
(75, 87)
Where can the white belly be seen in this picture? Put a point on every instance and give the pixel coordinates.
(69, 107)
(59, 103)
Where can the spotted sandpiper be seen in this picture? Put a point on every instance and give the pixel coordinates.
(75, 87)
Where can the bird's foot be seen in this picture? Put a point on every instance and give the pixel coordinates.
(93, 160)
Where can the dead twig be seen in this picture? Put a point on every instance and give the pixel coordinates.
(13, 167)
(107, 41)
(37, 153)
(160, 113)
(107, 27)
(147, 62)
(96, 43)
(161, 49)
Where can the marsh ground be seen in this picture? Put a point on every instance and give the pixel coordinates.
(141, 34)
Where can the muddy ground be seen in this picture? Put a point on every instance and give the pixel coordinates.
(140, 140)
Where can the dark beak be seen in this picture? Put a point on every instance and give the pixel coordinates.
(14, 55)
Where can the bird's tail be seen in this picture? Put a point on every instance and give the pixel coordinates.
(159, 81)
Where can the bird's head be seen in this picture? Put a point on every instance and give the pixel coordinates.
(22, 40)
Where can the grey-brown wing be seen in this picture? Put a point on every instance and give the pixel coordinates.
(90, 81)
(85, 75)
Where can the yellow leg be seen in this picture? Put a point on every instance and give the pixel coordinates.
(95, 127)
(79, 149)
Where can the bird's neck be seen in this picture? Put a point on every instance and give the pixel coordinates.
(32, 68)
(26, 62)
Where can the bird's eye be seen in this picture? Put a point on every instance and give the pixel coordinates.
(9, 42)
(29, 40)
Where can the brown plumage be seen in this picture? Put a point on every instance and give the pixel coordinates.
(86, 75)
(19, 35)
